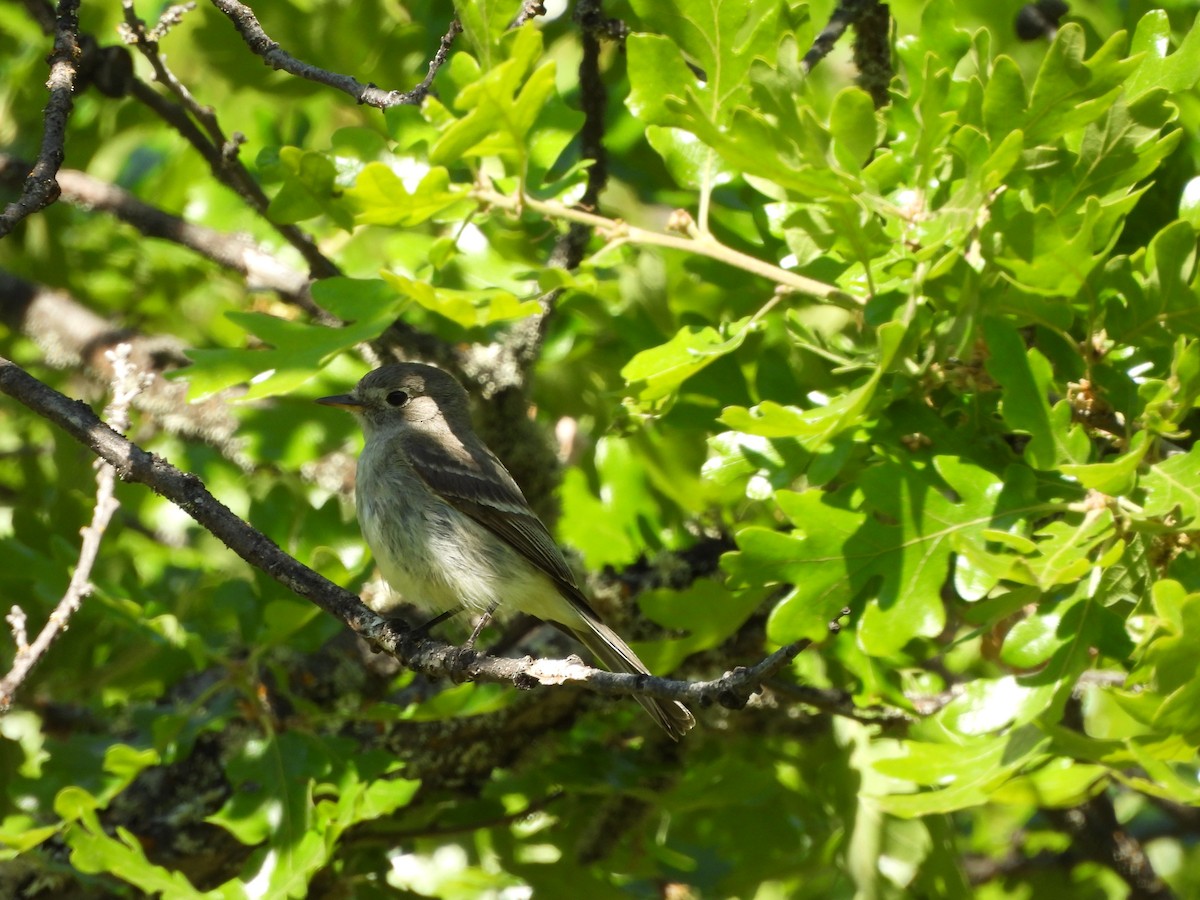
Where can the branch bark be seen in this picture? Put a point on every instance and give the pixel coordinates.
(273, 55)
(41, 189)
(218, 150)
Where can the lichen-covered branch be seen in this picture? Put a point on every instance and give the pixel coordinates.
(256, 38)
(41, 189)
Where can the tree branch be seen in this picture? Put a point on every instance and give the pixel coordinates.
(260, 44)
(593, 99)
(530, 9)
(219, 151)
(40, 187)
(845, 14)
(873, 52)
(433, 658)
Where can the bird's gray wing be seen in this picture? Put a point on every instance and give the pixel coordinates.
(478, 485)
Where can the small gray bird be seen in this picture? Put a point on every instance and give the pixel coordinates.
(449, 527)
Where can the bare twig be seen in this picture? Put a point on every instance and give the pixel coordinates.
(171, 16)
(219, 151)
(260, 44)
(618, 232)
(127, 383)
(134, 32)
(433, 658)
(40, 187)
(438, 60)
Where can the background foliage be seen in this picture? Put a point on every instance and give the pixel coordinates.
(973, 427)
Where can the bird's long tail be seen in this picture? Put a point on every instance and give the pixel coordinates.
(616, 656)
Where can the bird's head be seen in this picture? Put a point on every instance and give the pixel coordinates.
(404, 395)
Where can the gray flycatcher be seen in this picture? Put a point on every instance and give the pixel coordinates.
(449, 527)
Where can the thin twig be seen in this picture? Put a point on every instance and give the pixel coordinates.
(171, 16)
(260, 44)
(219, 151)
(439, 59)
(619, 232)
(135, 32)
(40, 187)
(127, 383)
(433, 658)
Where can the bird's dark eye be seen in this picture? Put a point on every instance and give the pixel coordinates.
(397, 398)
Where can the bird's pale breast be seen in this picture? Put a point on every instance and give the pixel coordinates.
(436, 557)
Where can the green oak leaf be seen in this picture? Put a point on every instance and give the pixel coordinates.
(657, 372)
(1175, 72)
(1174, 484)
(959, 776)
(1026, 377)
(893, 534)
(468, 308)
(380, 196)
(815, 427)
(296, 351)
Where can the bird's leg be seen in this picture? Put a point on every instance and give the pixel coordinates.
(422, 631)
(480, 625)
(465, 654)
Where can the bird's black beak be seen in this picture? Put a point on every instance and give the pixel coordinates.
(342, 401)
